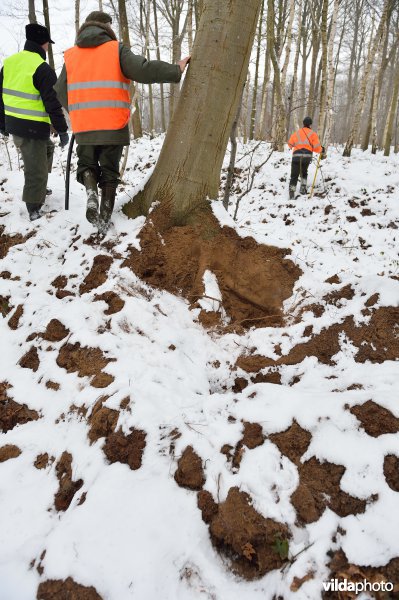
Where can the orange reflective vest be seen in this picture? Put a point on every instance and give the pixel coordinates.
(98, 91)
(305, 139)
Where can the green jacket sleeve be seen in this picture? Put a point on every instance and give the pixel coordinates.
(61, 88)
(137, 68)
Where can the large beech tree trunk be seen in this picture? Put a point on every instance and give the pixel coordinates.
(188, 169)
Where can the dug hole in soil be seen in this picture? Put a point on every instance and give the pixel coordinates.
(254, 279)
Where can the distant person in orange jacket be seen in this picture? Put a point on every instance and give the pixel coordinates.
(302, 143)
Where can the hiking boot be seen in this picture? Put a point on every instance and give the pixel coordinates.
(108, 194)
(34, 211)
(90, 183)
(292, 190)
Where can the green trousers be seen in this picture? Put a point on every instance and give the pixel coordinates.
(38, 160)
(103, 161)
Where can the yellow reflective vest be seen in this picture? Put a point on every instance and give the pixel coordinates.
(21, 99)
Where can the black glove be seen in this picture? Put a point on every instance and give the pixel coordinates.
(64, 139)
(323, 153)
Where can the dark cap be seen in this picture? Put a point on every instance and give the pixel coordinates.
(307, 121)
(37, 33)
(99, 16)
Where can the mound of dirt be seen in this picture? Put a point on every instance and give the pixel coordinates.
(254, 280)
(391, 471)
(13, 321)
(98, 273)
(341, 569)
(55, 331)
(86, 362)
(252, 543)
(126, 449)
(319, 488)
(102, 421)
(30, 360)
(12, 413)
(335, 297)
(293, 442)
(375, 419)
(207, 505)
(43, 460)
(8, 241)
(376, 342)
(190, 472)
(68, 589)
(5, 306)
(67, 487)
(9, 451)
(252, 438)
(115, 303)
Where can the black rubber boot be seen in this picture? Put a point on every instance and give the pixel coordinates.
(108, 194)
(34, 211)
(292, 191)
(303, 189)
(90, 183)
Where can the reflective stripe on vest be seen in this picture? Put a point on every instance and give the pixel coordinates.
(21, 98)
(98, 92)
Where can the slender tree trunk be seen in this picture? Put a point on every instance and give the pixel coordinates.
(158, 55)
(327, 124)
(188, 169)
(32, 12)
(244, 113)
(256, 78)
(266, 77)
(363, 86)
(294, 84)
(100, 5)
(47, 23)
(279, 120)
(392, 112)
(77, 15)
(324, 61)
(190, 26)
(367, 133)
(124, 34)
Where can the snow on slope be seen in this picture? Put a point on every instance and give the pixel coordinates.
(136, 533)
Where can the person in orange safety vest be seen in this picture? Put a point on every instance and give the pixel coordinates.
(302, 143)
(94, 86)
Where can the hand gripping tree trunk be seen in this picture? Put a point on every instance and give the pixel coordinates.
(188, 169)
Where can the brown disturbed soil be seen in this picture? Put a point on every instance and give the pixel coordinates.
(8, 241)
(293, 442)
(86, 362)
(341, 569)
(252, 438)
(190, 472)
(30, 360)
(115, 303)
(319, 488)
(43, 460)
(254, 280)
(55, 331)
(376, 342)
(98, 273)
(244, 536)
(391, 471)
(12, 413)
(9, 451)
(126, 449)
(375, 419)
(68, 589)
(13, 321)
(102, 421)
(67, 487)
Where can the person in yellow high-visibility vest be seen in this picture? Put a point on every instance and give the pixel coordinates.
(28, 105)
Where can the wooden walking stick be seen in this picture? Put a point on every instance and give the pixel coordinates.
(68, 172)
(315, 176)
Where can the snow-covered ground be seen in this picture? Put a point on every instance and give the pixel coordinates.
(136, 533)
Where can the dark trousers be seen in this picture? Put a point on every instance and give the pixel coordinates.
(37, 156)
(299, 168)
(103, 161)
